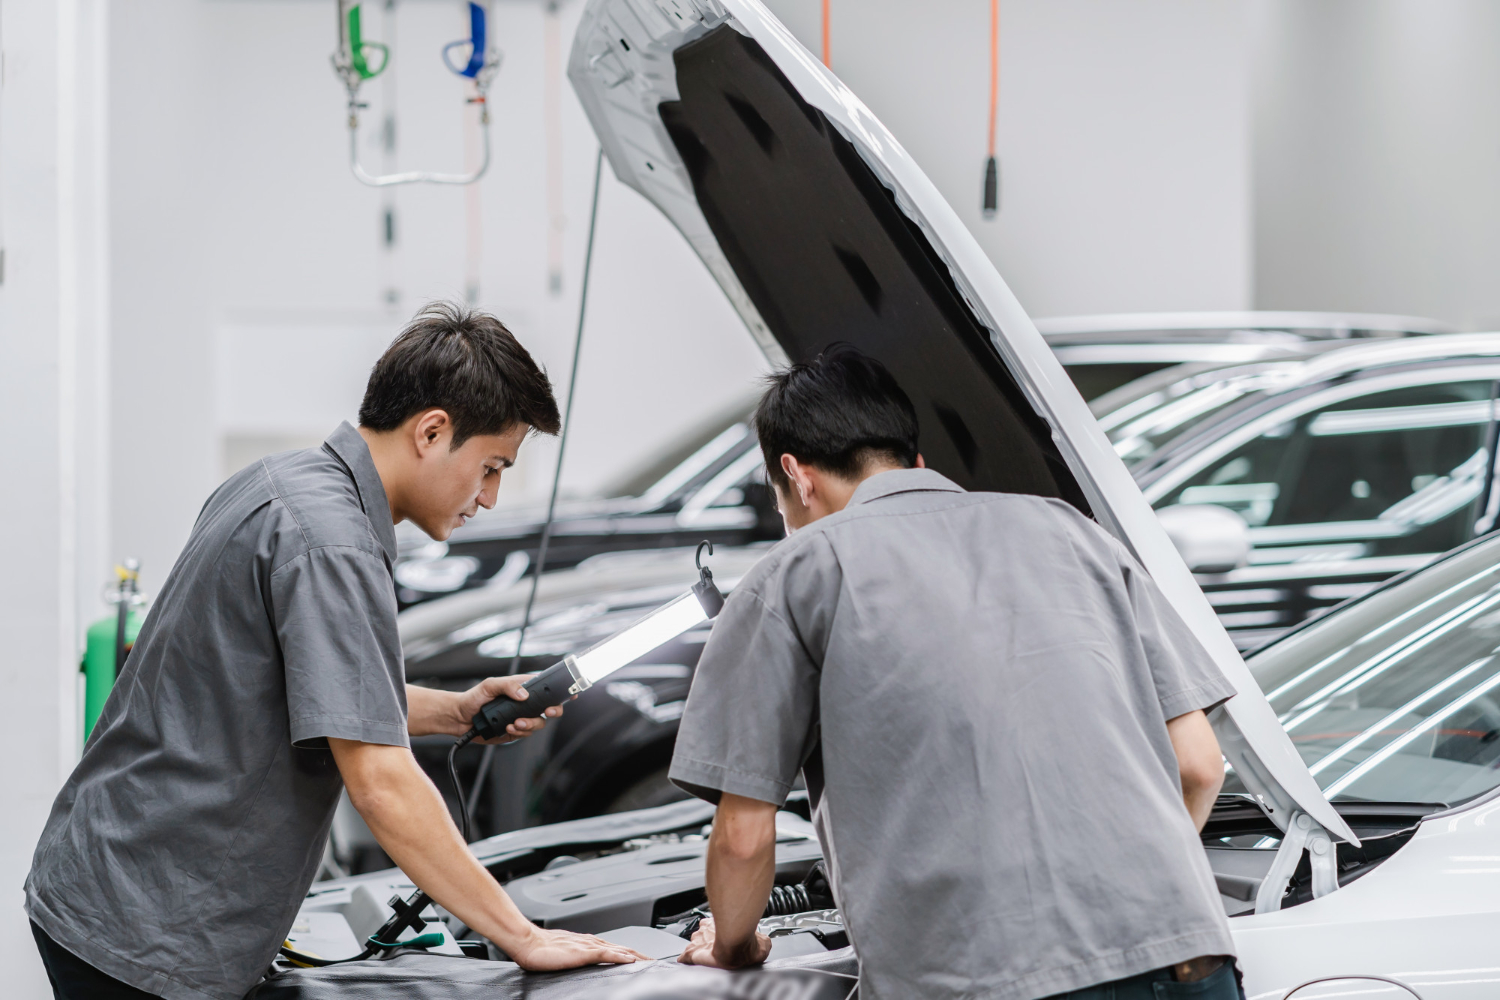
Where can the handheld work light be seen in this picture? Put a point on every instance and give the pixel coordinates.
(575, 674)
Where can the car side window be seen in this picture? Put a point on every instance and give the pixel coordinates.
(1394, 472)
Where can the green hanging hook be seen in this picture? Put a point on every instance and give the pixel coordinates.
(357, 47)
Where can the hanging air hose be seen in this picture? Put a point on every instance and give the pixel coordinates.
(353, 63)
(464, 817)
(991, 166)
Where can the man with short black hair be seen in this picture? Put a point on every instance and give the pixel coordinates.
(268, 676)
(999, 718)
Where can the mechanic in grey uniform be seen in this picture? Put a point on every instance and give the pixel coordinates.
(268, 676)
(999, 717)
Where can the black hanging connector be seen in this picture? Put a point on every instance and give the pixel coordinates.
(991, 187)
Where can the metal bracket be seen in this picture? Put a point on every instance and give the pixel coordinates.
(1302, 833)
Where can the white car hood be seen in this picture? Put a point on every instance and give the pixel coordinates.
(820, 227)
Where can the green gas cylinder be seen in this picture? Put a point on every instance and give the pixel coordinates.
(101, 645)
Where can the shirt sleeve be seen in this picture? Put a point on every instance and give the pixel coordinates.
(1185, 676)
(750, 718)
(335, 616)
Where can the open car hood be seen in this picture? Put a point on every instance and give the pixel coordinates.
(820, 227)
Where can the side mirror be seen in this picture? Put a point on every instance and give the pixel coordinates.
(1210, 538)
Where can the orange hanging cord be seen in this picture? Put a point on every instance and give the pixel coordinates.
(991, 167)
(826, 61)
(994, 68)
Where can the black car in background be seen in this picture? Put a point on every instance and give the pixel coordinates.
(709, 484)
(706, 485)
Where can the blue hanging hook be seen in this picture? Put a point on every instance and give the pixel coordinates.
(476, 42)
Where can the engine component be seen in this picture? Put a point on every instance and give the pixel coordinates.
(786, 900)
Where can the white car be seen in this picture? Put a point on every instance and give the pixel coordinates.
(819, 227)
(1394, 704)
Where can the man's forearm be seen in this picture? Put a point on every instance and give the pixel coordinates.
(430, 712)
(411, 823)
(741, 872)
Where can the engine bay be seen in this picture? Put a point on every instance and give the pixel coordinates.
(638, 879)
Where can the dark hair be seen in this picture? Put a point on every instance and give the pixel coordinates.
(839, 411)
(465, 362)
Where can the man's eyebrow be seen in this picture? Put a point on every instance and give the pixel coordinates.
(505, 463)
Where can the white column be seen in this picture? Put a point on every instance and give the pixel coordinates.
(53, 367)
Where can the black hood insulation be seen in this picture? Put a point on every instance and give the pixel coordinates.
(824, 252)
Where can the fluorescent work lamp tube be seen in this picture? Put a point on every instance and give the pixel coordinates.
(575, 674)
(659, 627)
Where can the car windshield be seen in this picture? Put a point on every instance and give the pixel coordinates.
(1395, 699)
(1139, 427)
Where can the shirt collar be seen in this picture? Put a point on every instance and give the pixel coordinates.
(350, 446)
(893, 481)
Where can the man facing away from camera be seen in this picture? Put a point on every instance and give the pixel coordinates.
(268, 677)
(999, 717)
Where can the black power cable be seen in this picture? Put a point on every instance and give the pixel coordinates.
(465, 816)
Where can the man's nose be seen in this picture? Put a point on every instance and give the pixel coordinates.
(488, 495)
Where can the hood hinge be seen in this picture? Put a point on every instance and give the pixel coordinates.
(1302, 833)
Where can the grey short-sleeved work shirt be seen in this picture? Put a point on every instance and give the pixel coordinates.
(988, 677)
(177, 854)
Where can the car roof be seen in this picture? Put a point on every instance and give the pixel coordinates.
(1244, 327)
(1264, 383)
(820, 227)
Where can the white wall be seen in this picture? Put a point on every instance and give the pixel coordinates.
(1375, 157)
(53, 342)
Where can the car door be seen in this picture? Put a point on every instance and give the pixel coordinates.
(1343, 488)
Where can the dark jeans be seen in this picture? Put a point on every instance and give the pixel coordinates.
(74, 979)
(1223, 984)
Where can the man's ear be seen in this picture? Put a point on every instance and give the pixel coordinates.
(431, 429)
(921, 462)
(796, 474)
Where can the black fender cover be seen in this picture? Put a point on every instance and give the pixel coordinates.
(830, 976)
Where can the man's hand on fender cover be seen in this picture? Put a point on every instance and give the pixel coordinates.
(412, 825)
(700, 951)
